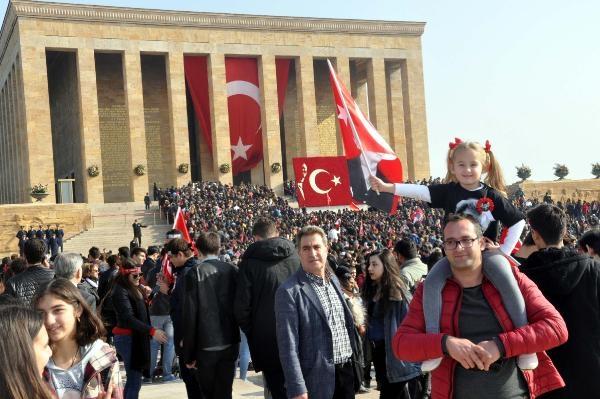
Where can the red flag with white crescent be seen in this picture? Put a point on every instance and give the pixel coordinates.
(243, 101)
(365, 150)
(322, 181)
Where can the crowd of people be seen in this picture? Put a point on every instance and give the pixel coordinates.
(318, 298)
(52, 237)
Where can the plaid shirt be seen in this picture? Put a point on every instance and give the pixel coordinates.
(334, 311)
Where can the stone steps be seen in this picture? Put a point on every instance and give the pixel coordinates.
(111, 227)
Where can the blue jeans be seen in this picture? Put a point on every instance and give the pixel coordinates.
(162, 323)
(134, 377)
(244, 356)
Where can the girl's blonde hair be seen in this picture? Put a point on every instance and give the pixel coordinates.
(490, 166)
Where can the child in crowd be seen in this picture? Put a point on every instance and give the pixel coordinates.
(463, 192)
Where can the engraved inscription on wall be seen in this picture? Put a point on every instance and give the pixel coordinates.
(114, 128)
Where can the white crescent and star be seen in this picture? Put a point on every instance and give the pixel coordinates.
(244, 88)
(313, 184)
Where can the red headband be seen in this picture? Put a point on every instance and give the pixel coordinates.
(452, 145)
(126, 272)
(488, 146)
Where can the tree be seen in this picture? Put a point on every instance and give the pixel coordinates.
(596, 170)
(560, 171)
(523, 172)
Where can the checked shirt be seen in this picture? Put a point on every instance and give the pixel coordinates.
(334, 312)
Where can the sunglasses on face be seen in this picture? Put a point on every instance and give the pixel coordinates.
(136, 275)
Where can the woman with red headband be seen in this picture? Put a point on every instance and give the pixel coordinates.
(133, 331)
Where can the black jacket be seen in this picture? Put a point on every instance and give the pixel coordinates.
(265, 265)
(24, 286)
(93, 299)
(176, 302)
(208, 308)
(105, 282)
(571, 282)
(132, 313)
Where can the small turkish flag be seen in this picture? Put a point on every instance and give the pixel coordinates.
(180, 224)
(322, 181)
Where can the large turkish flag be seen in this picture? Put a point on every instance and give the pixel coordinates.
(243, 100)
(322, 181)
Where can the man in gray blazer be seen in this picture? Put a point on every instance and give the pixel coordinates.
(314, 326)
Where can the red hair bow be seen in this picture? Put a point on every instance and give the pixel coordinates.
(452, 145)
(488, 146)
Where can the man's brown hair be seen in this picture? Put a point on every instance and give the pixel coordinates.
(209, 243)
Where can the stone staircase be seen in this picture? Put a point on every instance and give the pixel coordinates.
(111, 227)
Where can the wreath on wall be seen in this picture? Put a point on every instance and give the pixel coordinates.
(93, 171)
(276, 167)
(140, 170)
(183, 168)
(225, 168)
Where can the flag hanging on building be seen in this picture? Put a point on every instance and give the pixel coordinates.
(366, 152)
(322, 181)
(243, 102)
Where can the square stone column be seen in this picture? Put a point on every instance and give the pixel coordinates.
(396, 112)
(307, 115)
(132, 73)
(3, 150)
(413, 91)
(93, 187)
(219, 116)
(10, 183)
(271, 135)
(377, 96)
(180, 141)
(38, 133)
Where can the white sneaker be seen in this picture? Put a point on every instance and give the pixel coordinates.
(432, 364)
(528, 361)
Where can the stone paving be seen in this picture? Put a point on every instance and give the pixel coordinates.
(241, 389)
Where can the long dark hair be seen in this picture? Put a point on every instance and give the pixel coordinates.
(89, 327)
(123, 279)
(20, 378)
(391, 286)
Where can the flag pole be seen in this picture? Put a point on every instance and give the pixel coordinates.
(354, 132)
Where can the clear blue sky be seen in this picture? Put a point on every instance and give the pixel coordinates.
(523, 74)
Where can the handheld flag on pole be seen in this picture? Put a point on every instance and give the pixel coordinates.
(367, 153)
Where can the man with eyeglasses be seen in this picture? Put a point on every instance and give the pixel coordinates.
(477, 340)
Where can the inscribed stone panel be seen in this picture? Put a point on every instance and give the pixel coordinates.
(114, 128)
(156, 119)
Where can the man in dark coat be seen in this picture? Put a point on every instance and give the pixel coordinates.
(265, 265)
(24, 285)
(60, 233)
(571, 282)
(22, 236)
(137, 232)
(211, 335)
(182, 259)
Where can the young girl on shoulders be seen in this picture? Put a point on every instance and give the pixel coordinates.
(464, 192)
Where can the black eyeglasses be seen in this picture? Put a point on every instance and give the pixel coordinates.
(136, 275)
(464, 243)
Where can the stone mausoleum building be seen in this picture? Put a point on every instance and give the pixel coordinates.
(84, 86)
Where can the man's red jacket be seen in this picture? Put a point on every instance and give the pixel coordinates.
(546, 329)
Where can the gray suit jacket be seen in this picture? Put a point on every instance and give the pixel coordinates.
(304, 338)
